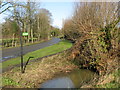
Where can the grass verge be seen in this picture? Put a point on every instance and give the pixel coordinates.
(63, 45)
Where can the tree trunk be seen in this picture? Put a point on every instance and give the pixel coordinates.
(32, 35)
(38, 37)
(28, 33)
(13, 40)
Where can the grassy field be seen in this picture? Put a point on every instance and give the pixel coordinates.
(63, 45)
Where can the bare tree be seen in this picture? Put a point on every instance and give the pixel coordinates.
(43, 23)
(29, 18)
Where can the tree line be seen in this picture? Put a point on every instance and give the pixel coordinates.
(27, 17)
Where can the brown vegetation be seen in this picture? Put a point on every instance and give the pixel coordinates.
(94, 28)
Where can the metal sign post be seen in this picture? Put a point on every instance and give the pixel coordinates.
(21, 43)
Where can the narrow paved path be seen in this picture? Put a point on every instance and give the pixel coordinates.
(15, 52)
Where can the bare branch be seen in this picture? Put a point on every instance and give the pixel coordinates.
(5, 9)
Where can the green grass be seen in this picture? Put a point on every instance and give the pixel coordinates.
(63, 45)
(113, 84)
(8, 81)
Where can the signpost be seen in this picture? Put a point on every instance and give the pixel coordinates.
(22, 34)
(22, 70)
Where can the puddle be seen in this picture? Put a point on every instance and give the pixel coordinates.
(64, 82)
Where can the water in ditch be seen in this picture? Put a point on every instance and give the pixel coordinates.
(74, 79)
